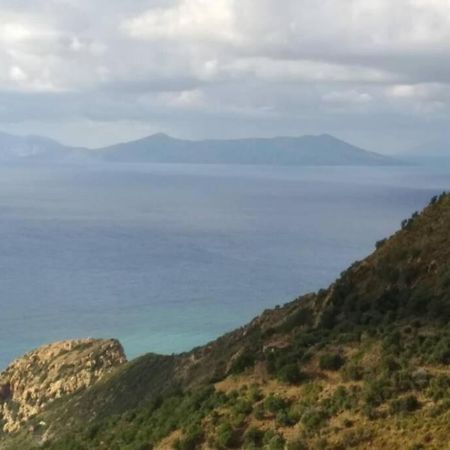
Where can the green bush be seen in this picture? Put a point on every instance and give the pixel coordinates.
(226, 436)
(404, 405)
(243, 406)
(284, 419)
(274, 404)
(255, 394)
(380, 243)
(273, 441)
(191, 440)
(441, 353)
(439, 388)
(331, 361)
(314, 418)
(253, 437)
(297, 444)
(290, 374)
(341, 400)
(242, 362)
(258, 411)
(379, 390)
(353, 372)
(390, 364)
(370, 411)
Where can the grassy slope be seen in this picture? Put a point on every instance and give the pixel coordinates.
(363, 364)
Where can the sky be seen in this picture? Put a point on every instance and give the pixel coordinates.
(92, 73)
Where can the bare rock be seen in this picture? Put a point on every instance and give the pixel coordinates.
(51, 372)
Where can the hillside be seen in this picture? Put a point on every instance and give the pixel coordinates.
(304, 150)
(35, 149)
(160, 148)
(362, 364)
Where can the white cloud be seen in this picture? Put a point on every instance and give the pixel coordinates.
(17, 74)
(422, 98)
(345, 97)
(190, 99)
(423, 91)
(304, 71)
(14, 32)
(402, 91)
(187, 19)
(292, 63)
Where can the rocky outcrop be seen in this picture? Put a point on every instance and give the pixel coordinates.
(43, 375)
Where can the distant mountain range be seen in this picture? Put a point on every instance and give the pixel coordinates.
(161, 148)
(36, 148)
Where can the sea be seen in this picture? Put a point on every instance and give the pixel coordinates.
(168, 257)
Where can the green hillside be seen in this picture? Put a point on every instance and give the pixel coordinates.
(364, 364)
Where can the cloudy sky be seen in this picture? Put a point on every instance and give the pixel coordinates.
(375, 72)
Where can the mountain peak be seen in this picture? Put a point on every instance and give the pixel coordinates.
(159, 136)
(328, 136)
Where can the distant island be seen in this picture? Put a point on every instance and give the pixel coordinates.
(308, 150)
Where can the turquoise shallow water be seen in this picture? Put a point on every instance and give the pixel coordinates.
(166, 257)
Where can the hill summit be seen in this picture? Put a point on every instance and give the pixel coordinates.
(362, 364)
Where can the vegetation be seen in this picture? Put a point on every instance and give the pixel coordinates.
(363, 364)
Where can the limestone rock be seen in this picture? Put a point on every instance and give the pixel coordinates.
(50, 372)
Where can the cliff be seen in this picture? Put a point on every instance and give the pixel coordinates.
(37, 379)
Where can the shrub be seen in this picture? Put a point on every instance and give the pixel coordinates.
(314, 418)
(439, 387)
(259, 412)
(331, 361)
(380, 243)
(377, 391)
(342, 399)
(441, 353)
(390, 364)
(226, 436)
(254, 437)
(242, 362)
(297, 444)
(243, 406)
(354, 438)
(404, 405)
(255, 394)
(274, 404)
(289, 374)
(273, 441)
(284, 419)
(369, 411)
(348, 423)
(322, 444)
(353, 372)
(191, 440)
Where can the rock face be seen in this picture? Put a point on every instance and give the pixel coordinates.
(50, 372)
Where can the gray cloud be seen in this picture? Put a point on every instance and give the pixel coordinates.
(373, 71)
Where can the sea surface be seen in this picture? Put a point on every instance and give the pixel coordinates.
(167, 257)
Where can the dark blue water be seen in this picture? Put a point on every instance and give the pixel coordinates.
(167, 257)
